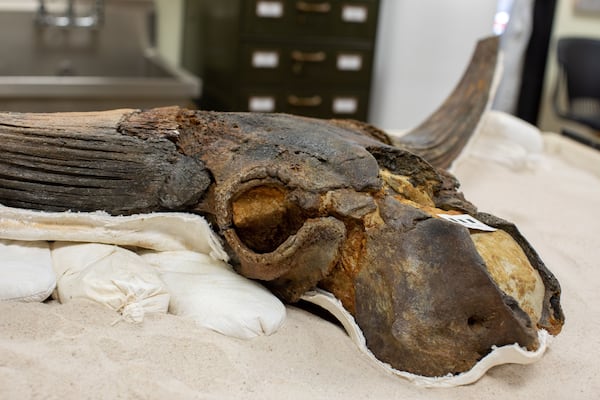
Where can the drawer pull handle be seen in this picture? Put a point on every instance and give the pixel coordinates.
(300, 56)
(313, 101)
(320, 8)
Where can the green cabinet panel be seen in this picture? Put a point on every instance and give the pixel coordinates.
(305, 57)
(312, 102)
(324, 19)
(305, 63)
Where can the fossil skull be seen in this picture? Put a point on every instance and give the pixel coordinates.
(305, 203)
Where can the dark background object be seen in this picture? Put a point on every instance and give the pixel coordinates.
(534, 67)
(310, 58)
(579, 79)
(576, 96)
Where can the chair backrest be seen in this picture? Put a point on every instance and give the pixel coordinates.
(579, 59)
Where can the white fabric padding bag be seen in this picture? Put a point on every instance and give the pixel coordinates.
(215, 297)
(25, 271)
(110, 275)
(91, 262)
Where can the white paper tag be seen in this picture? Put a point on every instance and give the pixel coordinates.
(349, 62)
(265, 59)
(345, 105)
(354, 14)
(261, 104)
(269, 9)
(467, 221)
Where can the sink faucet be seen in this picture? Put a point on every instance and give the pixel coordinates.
(70, 18)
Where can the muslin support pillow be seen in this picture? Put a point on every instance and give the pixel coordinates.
(109, 275)
(25, 271)
(134, 264)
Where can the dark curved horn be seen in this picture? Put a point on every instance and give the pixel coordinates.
(444, 134)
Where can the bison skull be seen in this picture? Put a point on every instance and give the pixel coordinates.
(304, 203)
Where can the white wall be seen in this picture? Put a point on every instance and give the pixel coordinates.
(423, 47)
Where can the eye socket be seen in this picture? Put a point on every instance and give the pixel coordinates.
(264, 217)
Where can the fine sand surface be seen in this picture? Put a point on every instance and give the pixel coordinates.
(72, 351)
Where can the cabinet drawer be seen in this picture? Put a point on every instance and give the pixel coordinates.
(330, 103)
(295, 64)
(332, 18)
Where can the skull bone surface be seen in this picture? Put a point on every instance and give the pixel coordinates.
(305, 203)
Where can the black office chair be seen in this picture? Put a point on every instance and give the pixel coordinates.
(577, 93)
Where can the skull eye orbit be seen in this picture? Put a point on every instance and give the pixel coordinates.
(264, 217)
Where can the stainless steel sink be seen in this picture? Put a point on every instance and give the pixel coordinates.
(48, 68)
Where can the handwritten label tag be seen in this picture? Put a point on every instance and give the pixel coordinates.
(265, 59)
(356, 14)
(345, 105)
(269, 9)
(349, 62)
(261, 104)
(467, 221)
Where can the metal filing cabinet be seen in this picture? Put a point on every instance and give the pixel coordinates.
(310, 58)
